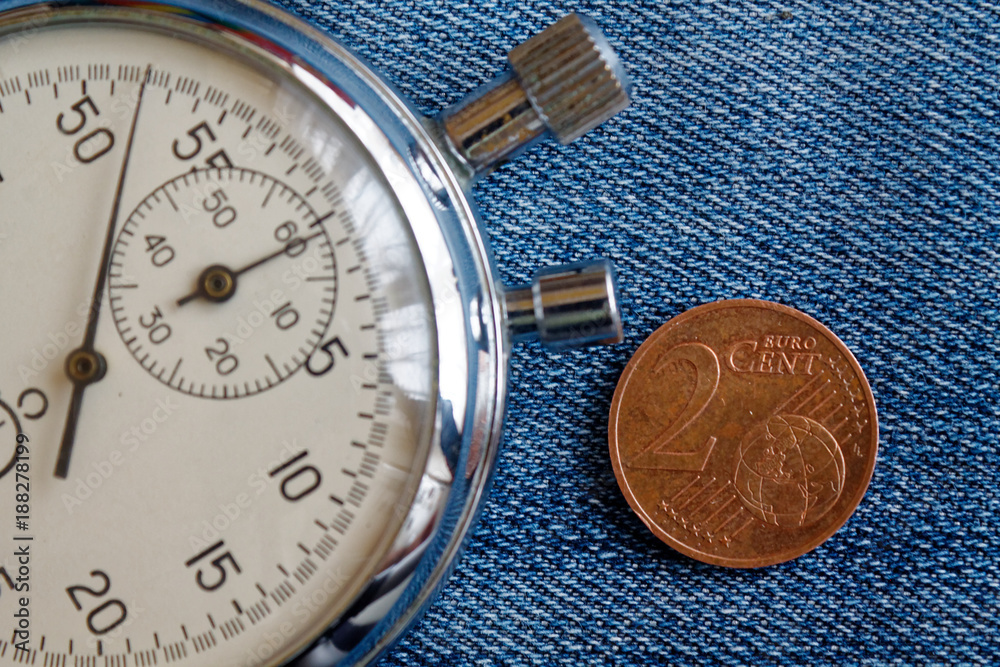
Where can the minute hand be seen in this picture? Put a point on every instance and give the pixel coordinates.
(231, 275)
(278, 253)
(84, 365)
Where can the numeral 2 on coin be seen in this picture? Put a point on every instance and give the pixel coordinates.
(707, 373)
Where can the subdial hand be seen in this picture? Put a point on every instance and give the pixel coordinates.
(85, 365)
(218, 283)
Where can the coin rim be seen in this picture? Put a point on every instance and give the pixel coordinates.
(649, 345)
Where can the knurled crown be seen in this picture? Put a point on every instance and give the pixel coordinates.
(571, 77)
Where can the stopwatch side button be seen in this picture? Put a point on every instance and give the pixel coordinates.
(565, 81)
(571, 305)
(571, 76)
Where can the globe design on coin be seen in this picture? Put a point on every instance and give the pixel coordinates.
(790, 471)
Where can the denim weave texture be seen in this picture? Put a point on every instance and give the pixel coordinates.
(842, 158)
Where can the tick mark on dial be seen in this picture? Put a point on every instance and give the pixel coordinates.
(320, 220)
(269, 193)
(274, 367)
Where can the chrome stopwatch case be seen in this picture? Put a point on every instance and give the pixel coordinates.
(254, 347)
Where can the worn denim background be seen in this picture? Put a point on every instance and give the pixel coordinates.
(840, 157)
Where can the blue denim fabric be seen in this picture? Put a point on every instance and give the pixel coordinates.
(840, 157)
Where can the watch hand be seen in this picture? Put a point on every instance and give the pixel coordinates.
(85, 365)
(218, 283)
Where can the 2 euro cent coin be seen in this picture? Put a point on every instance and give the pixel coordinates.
(743, 433)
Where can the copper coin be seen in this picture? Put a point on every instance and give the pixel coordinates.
(743, 433)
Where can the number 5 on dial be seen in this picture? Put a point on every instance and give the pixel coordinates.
(218, 563)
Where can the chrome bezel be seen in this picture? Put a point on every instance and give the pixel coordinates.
(467, 308)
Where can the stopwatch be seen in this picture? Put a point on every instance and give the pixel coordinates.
(254, 344)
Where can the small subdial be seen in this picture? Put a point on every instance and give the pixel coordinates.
(223, 282)
(10, 430)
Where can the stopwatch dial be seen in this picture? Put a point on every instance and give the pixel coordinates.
(200, 282)
(260, 256)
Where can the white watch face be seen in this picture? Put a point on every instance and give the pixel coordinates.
(250, 451)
